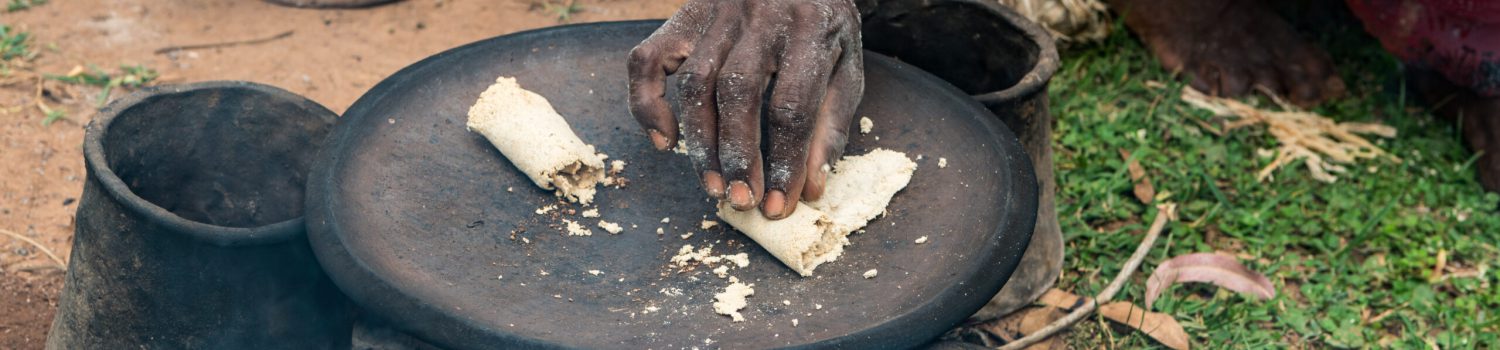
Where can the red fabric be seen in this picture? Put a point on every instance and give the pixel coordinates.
(1459, 38)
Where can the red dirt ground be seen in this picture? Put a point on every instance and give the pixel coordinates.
(332, 56)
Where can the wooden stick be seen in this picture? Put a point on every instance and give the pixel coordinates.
(1165, 213)
(38, 246)
(223, 44)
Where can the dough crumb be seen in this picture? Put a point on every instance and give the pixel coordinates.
(732, 299)
(660, 231)
(708, 224)
(942, 162)
(574, 229)
(865, 125)
(543, 272)
(546, 209)
(650, 309)
(921, 240)
(681, 148)
(817, 306)
(510, 189)
(871, 273)
(525, 240)
(686, 236)
(595, 272)
(722, 271)
(794, 322)
(786, 302)
(613, 228)
(666, 220)
(591, 213)
(686, 255)
(919, 157)
(616, 167)
(742, 260)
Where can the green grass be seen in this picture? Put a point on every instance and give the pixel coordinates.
(127, 77)
(14, 44)
(1364, 245)
(21, 5)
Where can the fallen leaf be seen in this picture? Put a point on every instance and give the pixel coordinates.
(1159, 326)
(1061, 299)
(1026, 321)
(1144, 190)
(1223, 271)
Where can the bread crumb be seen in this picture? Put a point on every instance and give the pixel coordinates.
(732, 299)
(557, 296)
(865, 125)
(686, 255)
(510, 189)
(686, 236)
(681, 148)
(546, 209)
(659, 231)
(871, 273)
(595, 272)
(921, 240)
(666, 220)
(942, 162)
(544, 272)
(794, 322)
(574, 229)
(786, 302)
(591, 213)
(722, 271)
(742, 260)
(817, 306)
(650, 309)
(919, 157)
(708, 224)
(525, 240)
(613, 228)
(616, 167)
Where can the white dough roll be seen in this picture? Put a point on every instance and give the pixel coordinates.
(537, 140)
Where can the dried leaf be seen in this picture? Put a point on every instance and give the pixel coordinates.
(1159, 326)
(1026, 321)
(1061, 299)
(1223, 271)
(1144, 190)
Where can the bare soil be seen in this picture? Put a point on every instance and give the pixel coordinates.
(330, 56)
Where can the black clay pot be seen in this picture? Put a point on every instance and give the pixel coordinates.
(1005, 61)
(189, 233)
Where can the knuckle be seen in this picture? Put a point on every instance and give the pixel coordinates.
(642, 54)
(694, 86)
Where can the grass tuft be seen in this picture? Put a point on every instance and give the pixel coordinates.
(1353, 261)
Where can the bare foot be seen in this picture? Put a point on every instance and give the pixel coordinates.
(1230, 47)
(1478, 118)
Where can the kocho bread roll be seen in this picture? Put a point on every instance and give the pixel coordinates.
(856, 192)
(529, 132)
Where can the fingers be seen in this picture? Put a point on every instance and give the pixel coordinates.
(698, 78)
(654, 59)
(740, 87)
(831, 132)
(795, 100)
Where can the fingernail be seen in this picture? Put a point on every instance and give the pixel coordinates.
(714, 184)
(658, 139)
(774, 206)
(740, 196)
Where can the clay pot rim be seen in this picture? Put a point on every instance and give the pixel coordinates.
(1035, 80)
(98, 168)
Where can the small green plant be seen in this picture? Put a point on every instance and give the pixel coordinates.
(14, 44)
(21, 5)
(128, 77)
(53, 115)
(564, 12)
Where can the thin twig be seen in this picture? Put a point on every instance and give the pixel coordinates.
(1164, 213)
(168, 49)
(38, 246)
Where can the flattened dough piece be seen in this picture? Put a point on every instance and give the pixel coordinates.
(857, 191)
(530, 133)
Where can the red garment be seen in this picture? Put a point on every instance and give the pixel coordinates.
(1458, 38)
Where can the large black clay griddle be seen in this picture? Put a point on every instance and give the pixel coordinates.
(412, 216)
